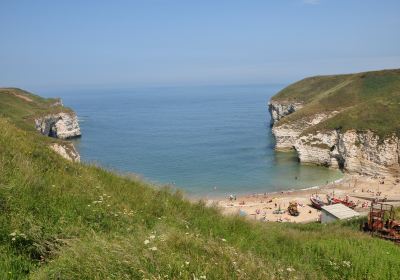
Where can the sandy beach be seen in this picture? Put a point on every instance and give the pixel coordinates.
(360, 189)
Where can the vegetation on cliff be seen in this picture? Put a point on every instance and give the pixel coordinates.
(365, 101)
(21, 107)
(65, 220)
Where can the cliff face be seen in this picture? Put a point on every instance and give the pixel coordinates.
(48, 115)
(61, 125)
(66, 150)
(353, 151)
(279, 110)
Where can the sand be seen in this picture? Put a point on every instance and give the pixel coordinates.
(360, 189)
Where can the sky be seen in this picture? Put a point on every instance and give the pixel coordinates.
(67, 44)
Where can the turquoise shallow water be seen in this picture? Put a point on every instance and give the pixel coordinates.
(208, 141)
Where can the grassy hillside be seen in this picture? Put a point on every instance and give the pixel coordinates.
(21, 106)
(64, 220)
(367, 100)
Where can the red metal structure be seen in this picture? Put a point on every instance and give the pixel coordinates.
(381, 222)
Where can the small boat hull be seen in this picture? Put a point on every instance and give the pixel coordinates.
(316, 203)
(349, 204)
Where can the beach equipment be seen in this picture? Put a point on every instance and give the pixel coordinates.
(292, 209)
(381, 222)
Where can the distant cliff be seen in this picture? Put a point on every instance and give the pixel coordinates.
(351, 122)
(63, 125)
(46, 115)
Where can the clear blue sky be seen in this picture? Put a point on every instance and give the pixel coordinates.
(58, 44)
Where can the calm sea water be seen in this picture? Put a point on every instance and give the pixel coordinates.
(208, 141)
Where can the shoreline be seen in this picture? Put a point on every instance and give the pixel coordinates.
(359, 188)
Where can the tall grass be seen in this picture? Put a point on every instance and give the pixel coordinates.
(63, 220)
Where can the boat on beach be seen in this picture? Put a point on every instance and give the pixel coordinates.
(345, 202)
(317, 202)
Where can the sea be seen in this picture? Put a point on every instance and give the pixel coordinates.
(208, 141)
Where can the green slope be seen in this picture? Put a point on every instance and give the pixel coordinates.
(21, 107)
(366, 101)
(64, 220)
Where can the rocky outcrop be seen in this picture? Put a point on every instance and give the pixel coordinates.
(62, 125)
(352, 151)
(66, 150)
(279, 110)
(287, 133)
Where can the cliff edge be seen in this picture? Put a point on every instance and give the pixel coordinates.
(46, 115)
(351, 122)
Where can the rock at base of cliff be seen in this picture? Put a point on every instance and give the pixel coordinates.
(67, 151)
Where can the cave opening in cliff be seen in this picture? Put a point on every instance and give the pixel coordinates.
(53, 131)
(340, 163)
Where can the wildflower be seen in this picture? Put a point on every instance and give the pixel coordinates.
(187, 233)
(223, 239)
(187, 263)
(152, 236)
(332, 263)
(146, 242)
(153, 248)
(290, 269)
(13, 233)
(347, 263)
(203, 277)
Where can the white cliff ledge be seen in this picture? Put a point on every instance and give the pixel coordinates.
(66, 150)
(353, 151)
(62, 125)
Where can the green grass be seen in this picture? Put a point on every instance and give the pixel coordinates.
(64, 220)
(21, 107)
(366, 101)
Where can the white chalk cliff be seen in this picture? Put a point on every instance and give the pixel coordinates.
(66, 150)
(62, 125)
(352, 151)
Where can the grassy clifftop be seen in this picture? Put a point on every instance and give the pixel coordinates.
(21, 106)
(65, 220)
(366, 101)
